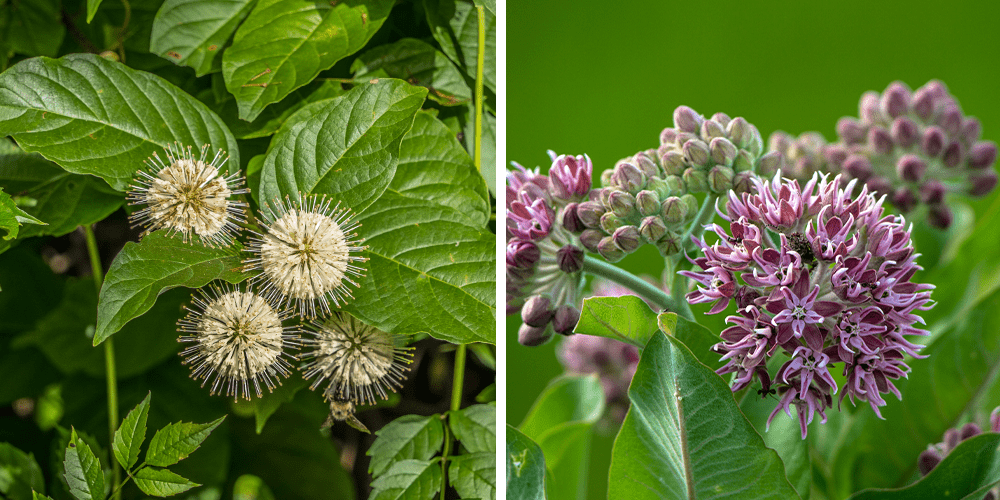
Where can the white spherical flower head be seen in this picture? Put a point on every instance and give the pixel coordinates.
(238, 340)
(189, 196)
(307, 254)
(359, 361)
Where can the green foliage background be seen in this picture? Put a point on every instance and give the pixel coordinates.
(603, 79)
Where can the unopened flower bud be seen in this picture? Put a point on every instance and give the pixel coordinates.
(834, 154)
(627, 238)
(982, 183)
(738, 131)
(570, 259)
(537, 311)
(628, 177)
(951, 439)
(969, 430)
(609, 250)
(779, 141)
(570, 176)
(880, 140)
(648, 203)
(590, 212)
(532, 336)
(622, 203)
(858, 166)
(879, 184)
(743, 182)
(687, 119)
(744, 161)
(606, 177)
(722, 118)
(850, 131)
(646, 165)
(590, 238)
(928, 460)
(720, 179)
(771, 163)
(904, 132)
(683, 137)
(971, 130)
(932, 192)
(932, 142)
(950, 120)
(923, 103)
(868, 107)
(939, 216)
(895, 100)
(696, 152)
(669, 244)
(904, 199)
(571, 219)
(910, 168)
(722, 151)
(610, 222)
(652, 229)
(755, 143)
(995, 420)
(953, 154)
(673, 162)
(696, 180)
(982, 154)
(676, 186)
(711, 129)
(674, 211)
(565, 319)
(668, 136)
(522, 254)
(692, 206)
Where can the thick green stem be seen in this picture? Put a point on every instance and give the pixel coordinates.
(645, 290)
(458, 378)
(477, 155)
(109, 356)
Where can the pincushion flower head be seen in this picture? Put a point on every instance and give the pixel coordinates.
(238, 341)
(357, 361)
(185, 194)
(308, 253)
(822, 276)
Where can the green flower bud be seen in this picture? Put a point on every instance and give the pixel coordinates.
(590, 239)
(669, 244)
(627, 238)
(742, 183)
(738, 131)
(692, 207)
(674, 211)
(676, 185)
(646, 165)
(610, 222)
(622, 204)
(606, 178)
(590, 213)
(652, 229)
(673, 162)
(743, 162)
(628, 177)
(756, 142)
(770, 164)
(609, 250)
(720, 179)
(722, 151)
(696, 152)
(647, 202)
(711, 129)
(696, 180)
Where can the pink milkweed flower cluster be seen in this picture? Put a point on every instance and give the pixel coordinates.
(822, 276)
(544, 258)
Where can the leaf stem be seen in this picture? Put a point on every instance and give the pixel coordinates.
(598, 267)
(480, 61)
(444, 462)
(109, 356)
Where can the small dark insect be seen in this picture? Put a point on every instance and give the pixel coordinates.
(343, 411)
(801, 245)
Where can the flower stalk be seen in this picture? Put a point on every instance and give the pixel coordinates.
(645, 290)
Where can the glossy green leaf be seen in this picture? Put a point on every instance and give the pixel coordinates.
(82, 470)
(419, 63)
(11, 217)
(265, 406)
(92, 6)
(131, 434)
(408, 479)
(271, 119)
(475, 427)
(434, 167)
(34, 27)
(697, 338)
(684, 436)
(626, 319)
(161, 482)
(194, 33)
(407, 437)
(284, 44)
(785, 438)
(347, 147)
(525, 467)
(19, 473)
(94, 116)
(176, 441)
(967, 472)
(38, 496)
(455, 25)
(474, 475)
(143, 270)
(251, 487)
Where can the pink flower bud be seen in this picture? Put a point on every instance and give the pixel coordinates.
(895, 100)
(933, 141)
(880, 140)
(983, 154)
(911, 168)
(687, 119)
(904, 132)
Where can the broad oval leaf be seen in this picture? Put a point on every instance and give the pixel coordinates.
(684, 436)
(525, 467)
(131, 434)
(176, 441)
(407, 437)
(418, 63)
(143, 270)
(475, 427)
(271, 119)
(695, 337)
(34, 28)
(19, 473)
(455, 25)
(284, 44)
(82, 470)
(474, 475)
(94, 116)
(161, 482)
(346, 147)
(194, 33)
(626, 319)
(408, 479)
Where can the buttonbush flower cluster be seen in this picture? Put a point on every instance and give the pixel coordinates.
(822, 275)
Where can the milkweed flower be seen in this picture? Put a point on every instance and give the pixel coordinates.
(358, 361)
(238, 339)
(185, 194)
(822, 275)
(935, 453)
(308, 253)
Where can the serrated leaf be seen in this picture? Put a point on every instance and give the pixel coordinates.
(194, 33)
(474, 475)
(38, 496)
(265, 406)
(19, 473)
(418, 63)
(82, 470)
(11, 217)
(455, 25)
(284, 44)
(347, 147)
(407, 437)
(143, 270)
(525, 467)
(475, 427)
(176, 441)
(94, 116)
(161, 482)
(131, 434)
(408, 479)
(428, 271)
(273, 117)
(684, 436)
(34, 27)
(434, 167)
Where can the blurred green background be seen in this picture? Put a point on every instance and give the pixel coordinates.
(603, 78)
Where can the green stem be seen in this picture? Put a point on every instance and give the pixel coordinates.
(458, 379)
(109, 355)
(480, 59)
(705, 214)
(444, 461)
(645, 290)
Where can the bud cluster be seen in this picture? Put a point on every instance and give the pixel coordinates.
(801, 156)
(935, 453)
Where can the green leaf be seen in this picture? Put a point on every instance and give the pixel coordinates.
(34, 27)
(11, 217)
(684, 436)
(967, 472)
(347, 147)
(626, 319)
(428, 271)
(83, 470)
(455, 25)
(695, 337)
(407, 437)
(271, 119)
(265, 406)
(434, 167)
(251, 487)
(131, 434)
(176, 441)
(38, 496)
(161, 482)
(418, 63)
(284, 44)
(143, 270)
(475, 427)
(525, 467)
(474, 475)
(19, 473)
(785, 438)
(408, 479)
(194, 33)
(92, 6)
(94, 116)
(488, 156)
(23, 272)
